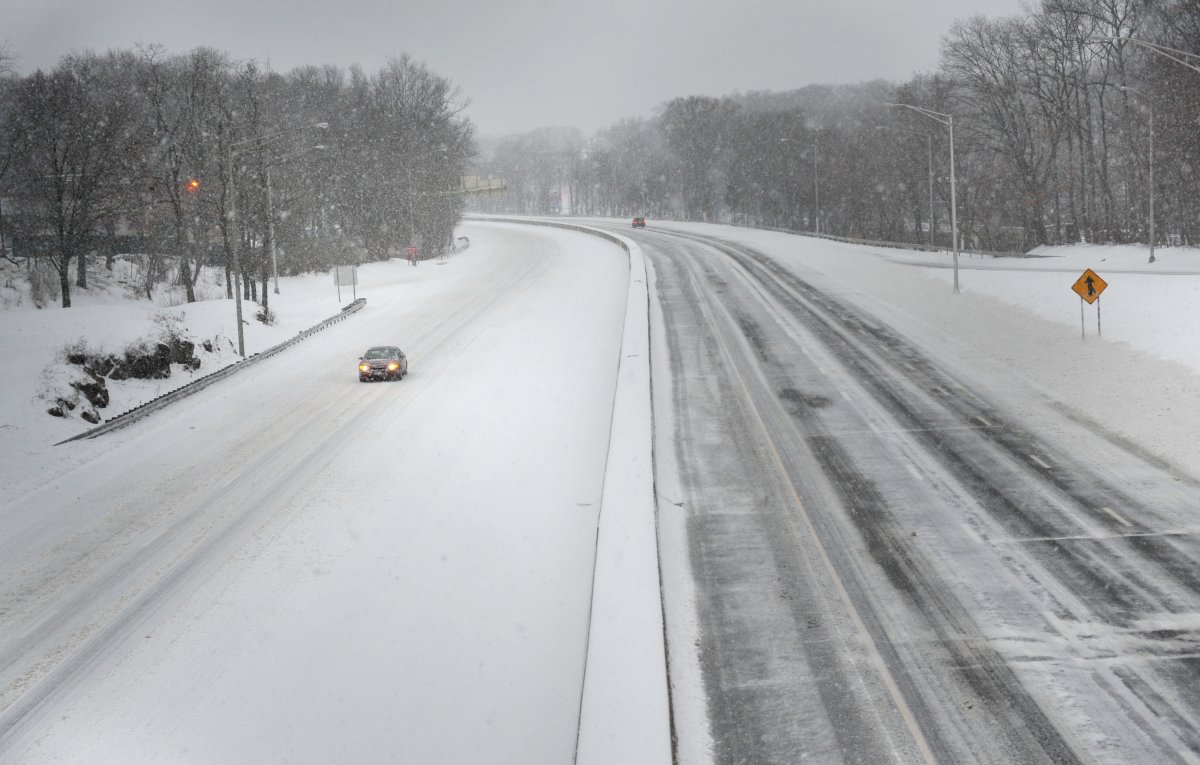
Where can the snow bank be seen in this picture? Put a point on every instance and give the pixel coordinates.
(1147, 306)
(624, 715)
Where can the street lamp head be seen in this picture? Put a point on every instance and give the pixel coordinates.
(321, 125)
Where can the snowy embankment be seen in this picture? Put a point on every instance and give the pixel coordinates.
(624, 715)
(1149, 306)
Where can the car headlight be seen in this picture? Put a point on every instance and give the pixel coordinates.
(364, 367)
(393, 366)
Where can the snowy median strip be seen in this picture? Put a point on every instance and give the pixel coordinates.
(153, 405)
(625, 712)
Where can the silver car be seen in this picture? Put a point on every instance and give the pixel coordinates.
(383, 362)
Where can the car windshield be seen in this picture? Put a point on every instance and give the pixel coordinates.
(380, 353)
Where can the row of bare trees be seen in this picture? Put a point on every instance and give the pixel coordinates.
(187, 157)
(1052, 113)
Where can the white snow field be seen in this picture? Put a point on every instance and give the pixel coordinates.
(294, 566)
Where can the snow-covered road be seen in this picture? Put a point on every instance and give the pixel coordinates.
(904, 547)
(897, 525)
(296, 566)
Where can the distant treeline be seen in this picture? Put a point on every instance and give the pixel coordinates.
(1052, 122)
(193, 155)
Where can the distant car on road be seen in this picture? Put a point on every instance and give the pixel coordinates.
(383, 362)
(639, 222)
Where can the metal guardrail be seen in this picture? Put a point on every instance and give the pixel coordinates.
(153, 405)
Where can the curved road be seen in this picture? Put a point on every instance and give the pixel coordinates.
(889, 557)
(889, 562)
(294, 566)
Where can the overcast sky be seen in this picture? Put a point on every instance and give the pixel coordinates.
(528, 63)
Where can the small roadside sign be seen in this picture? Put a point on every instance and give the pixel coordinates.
(1089, 286)
(346, 276)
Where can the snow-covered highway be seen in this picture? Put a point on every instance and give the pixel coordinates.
(903, 548)
(296, 566)
(896, 525)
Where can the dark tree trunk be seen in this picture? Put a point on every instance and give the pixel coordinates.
(185, 276)
(110, 251)
(264, 277)
(63, 264)
(185, 271)
(151, 263)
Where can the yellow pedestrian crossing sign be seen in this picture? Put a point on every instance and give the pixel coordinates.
(1089, 286)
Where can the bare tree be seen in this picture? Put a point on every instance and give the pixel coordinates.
(182, 94)
(696, 131)
(73, 128)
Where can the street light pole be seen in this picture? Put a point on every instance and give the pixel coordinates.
(1150, 104)
(271, 218)
(232, 221)
(235, 250)
(816, 191)
(1179, 57)
(271, 234)
(953, 200)
(1151, 183)
(929, 140)
(948, 121)
(1162, 50)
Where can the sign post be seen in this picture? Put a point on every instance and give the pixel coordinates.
(1088, 287)
(346, 276)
